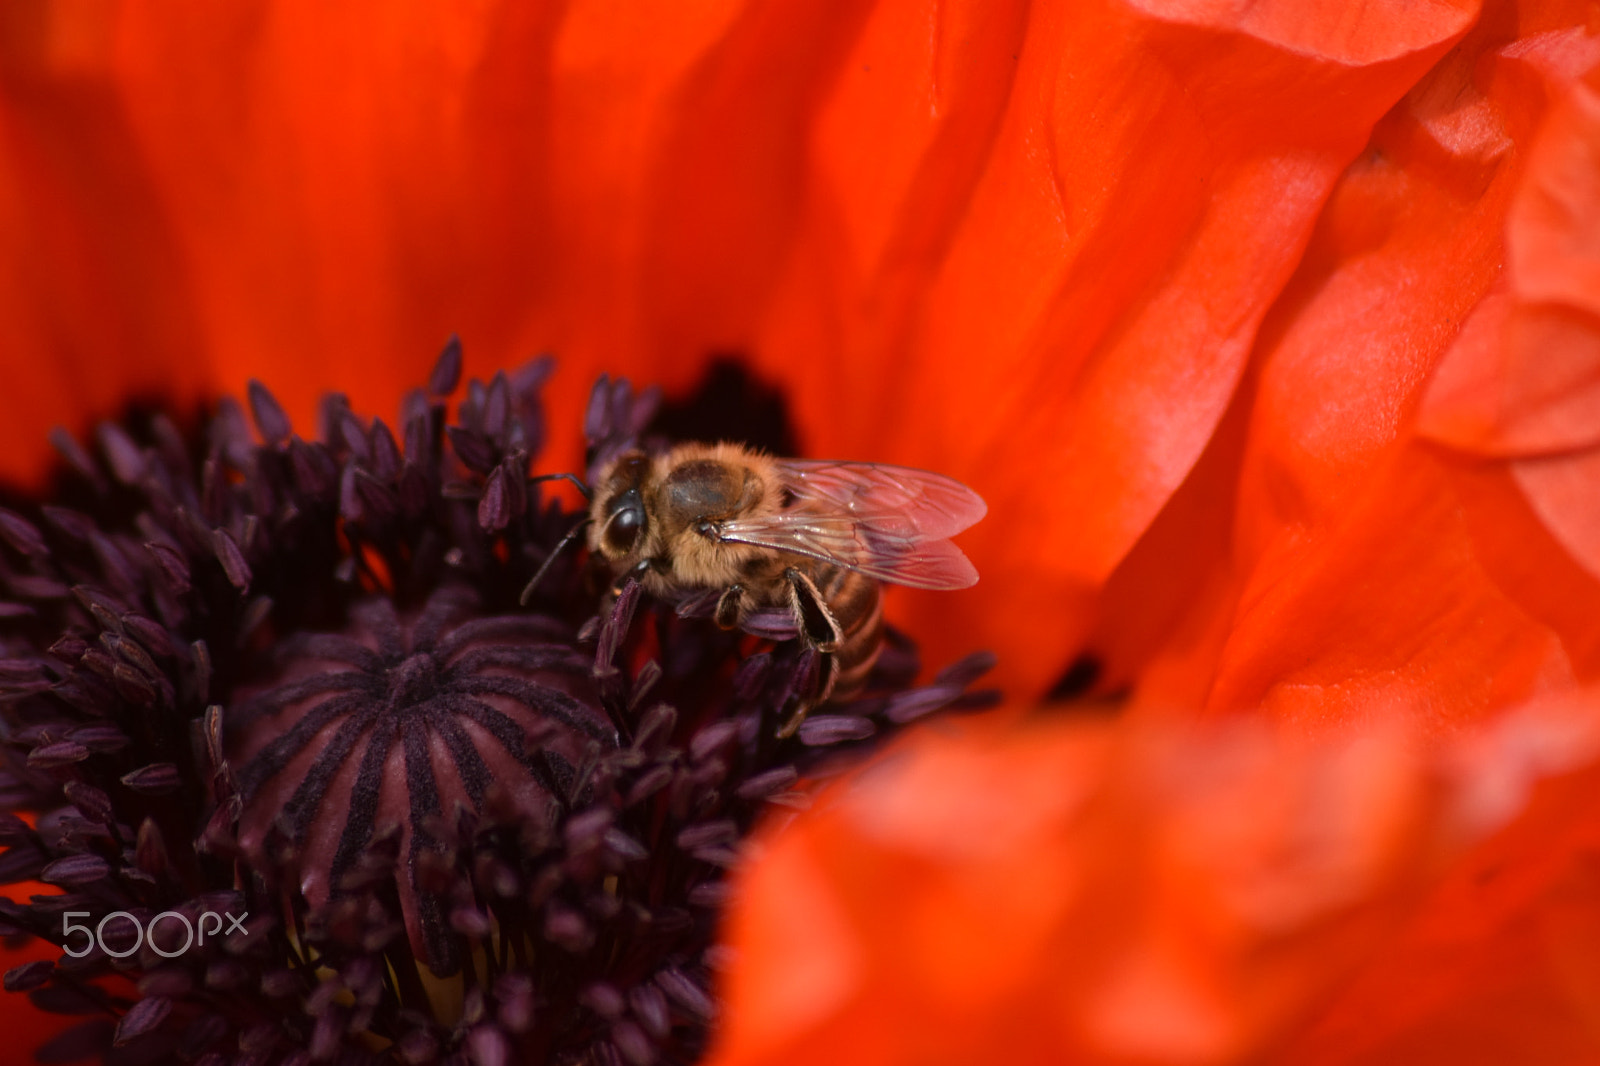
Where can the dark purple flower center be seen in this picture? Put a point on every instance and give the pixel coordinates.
(290, 681)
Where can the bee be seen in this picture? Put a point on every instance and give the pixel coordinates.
(817, 538)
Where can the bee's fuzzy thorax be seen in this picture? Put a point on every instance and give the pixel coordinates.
(698, 561)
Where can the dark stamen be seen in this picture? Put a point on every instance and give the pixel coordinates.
(250, 672)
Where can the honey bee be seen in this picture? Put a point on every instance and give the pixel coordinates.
(814, 537)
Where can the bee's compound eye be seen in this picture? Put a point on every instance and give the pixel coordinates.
(622, 532)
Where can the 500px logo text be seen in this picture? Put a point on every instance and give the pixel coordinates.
(96, 935)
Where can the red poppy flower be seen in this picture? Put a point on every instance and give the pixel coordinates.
(1207, 302)
(1398, 897)
(1029, 249)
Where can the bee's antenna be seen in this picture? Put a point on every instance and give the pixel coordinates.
(544, 567)
(588, 493)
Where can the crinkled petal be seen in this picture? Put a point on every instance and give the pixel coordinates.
(1062, 319)
(1523, 378)
(1522, 382)
(1355, 573)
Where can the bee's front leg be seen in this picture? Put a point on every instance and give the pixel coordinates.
(636, 572)
(819, 630)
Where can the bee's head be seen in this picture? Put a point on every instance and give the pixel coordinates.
(620, 521)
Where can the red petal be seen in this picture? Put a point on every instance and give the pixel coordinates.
(1113, 893)
(1355, 576)
(1524, 376)
(95, 294)
(1562, 491)
(1523, 380)
(1026, 245)
(1061, 318)
(1495, 964)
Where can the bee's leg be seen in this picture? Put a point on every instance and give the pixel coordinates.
(827, 674)
(821, 688)
(820, 630)
(633, 573)
(818, 627)
(731, 607)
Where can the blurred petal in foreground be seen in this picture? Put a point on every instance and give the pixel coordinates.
(1102, 892)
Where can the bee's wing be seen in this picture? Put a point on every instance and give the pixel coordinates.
(930, 505)
(888, 522)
